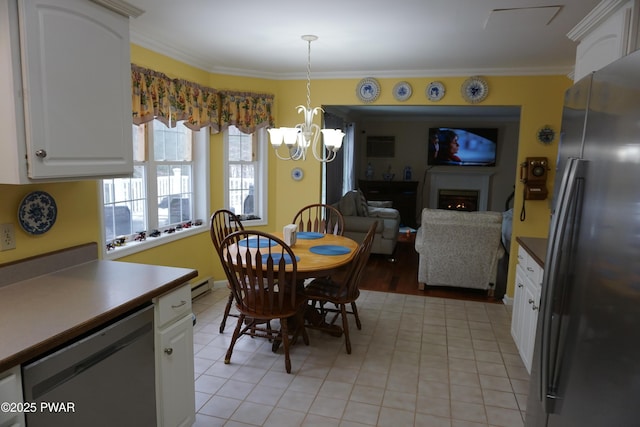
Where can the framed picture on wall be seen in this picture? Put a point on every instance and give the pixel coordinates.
(381, 146)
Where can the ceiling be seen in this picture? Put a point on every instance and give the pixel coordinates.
(366, 38)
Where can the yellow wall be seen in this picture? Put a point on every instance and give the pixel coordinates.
(540, 98)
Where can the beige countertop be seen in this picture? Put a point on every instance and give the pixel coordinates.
(40, 313)
(536, 247)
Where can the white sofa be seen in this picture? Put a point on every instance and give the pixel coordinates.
(460, 249)
(359, 214)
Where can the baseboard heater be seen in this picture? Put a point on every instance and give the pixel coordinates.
(200, 287)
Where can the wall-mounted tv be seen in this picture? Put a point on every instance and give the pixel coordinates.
(462, 146)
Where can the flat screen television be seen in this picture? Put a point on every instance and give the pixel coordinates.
(462, 146)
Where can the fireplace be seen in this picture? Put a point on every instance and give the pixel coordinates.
(479, 182)
(458, 200)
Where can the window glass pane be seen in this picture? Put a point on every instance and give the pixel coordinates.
(171, 144)
(244, 164)
(175, 188)
(125, 205)
(240, 146)
(241, 188)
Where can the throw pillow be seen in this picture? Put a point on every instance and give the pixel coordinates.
(347, 205)
(363, 207)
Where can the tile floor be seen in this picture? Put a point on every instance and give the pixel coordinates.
(417, 361)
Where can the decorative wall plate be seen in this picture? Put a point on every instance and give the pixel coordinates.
(297, 174)
(37, 212)
(368, 90)
(475, 89)
(546, 134)
(402, 91)
(435, 91)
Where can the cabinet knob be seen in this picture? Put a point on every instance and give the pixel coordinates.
(520, 285)
(41, 153)
(533, 304)
(168, 351)
(530, 269)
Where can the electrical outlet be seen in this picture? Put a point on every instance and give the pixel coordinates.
(7, 237)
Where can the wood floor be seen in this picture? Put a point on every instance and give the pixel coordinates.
(401, 276)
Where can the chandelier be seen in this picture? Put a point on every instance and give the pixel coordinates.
(298, 139)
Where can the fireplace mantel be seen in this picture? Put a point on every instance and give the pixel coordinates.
(455, 179)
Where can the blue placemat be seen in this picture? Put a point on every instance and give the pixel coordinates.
(330, 250)
(256, 243)
(277, 257)
(309, 235)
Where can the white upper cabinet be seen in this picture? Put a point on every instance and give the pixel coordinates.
(65, 109)
(607, 33)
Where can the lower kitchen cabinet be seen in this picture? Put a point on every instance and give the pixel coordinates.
(11, 394)
(174, 359)
(526, 304)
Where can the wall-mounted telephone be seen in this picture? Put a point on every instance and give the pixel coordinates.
(533, 174)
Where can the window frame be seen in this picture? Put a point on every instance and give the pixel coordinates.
(261, 182)
(201, 202)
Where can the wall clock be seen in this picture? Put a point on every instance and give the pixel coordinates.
(475, 89)
(546, 134)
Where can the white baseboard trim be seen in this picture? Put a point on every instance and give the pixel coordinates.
(220, 284)
(200, 287)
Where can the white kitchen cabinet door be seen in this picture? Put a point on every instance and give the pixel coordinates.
(608, 33)
(526, 304)
(532, 299)
(519, 307)
(71, 91)
(176, 405)
(11, 394)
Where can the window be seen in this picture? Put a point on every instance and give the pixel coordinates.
(167, 192)
(246, 174)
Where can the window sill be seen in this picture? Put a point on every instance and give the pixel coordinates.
(253, 222)
(133, 247)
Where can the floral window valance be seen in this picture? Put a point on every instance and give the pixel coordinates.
(156, 96)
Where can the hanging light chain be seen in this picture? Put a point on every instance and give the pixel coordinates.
(309, 74)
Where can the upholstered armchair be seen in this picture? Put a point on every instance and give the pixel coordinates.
(359, 214)
(459, 248)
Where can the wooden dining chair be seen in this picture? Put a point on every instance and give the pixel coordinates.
(224, 222)
(342, 291)
(320, 218)
(255, 263)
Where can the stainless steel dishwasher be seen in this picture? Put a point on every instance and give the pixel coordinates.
(104, 379)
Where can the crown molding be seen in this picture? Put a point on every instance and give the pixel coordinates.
(179, 55)
(198, 62)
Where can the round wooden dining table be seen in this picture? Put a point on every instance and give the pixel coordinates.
(320, 254)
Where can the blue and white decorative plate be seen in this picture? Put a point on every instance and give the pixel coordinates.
(402, 91)
(435, 91)
(475, 89)
(368, 90)
(297, 174)
(37, 212)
